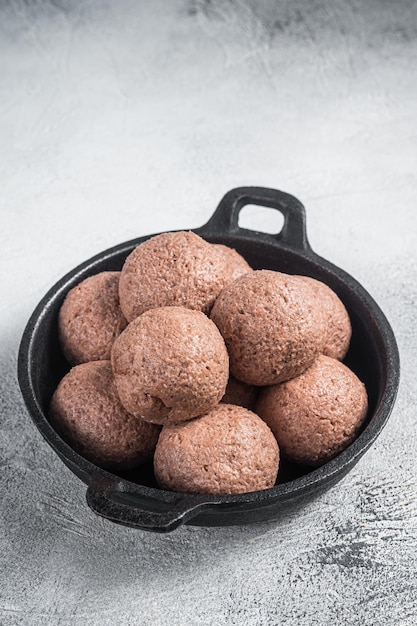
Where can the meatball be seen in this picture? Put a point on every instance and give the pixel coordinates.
(228, 450)
(170, 364)
(316, 415)
(235, 263)
(271, 324)
(240, 393)
(176, 269)
(90, 319)
(85, 409)
(338, 327)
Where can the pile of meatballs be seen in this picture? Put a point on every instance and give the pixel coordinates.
(213, 370)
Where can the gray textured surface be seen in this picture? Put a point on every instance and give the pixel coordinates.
(121, 119)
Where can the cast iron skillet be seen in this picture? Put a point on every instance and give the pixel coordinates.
(132, 498)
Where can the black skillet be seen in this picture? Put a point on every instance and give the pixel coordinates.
(133, 498)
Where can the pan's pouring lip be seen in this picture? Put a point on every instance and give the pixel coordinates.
(140, 506)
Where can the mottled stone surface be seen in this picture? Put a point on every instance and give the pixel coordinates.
(122, 119)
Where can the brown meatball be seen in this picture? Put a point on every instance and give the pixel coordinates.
(90, 319)
(240, 393)
(338, 328)
(271, 324)
(170, 364)
(228, 450)
(175, 269)
(235, 263)
(316, 415)
(86, 410)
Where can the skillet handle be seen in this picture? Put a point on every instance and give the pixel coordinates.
(106, 499)
(226, 216)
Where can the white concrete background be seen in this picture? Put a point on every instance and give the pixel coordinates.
(127, 118)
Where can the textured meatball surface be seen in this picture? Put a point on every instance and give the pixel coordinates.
(228, 450)
(86, 410)
(235, 264)
(338, 327)
(316, 415)
(240, 393)
(176, 269)
(170, 364)
(90, 319)
(271, 324)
